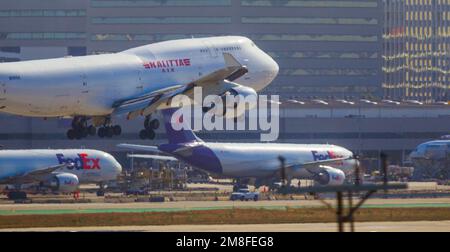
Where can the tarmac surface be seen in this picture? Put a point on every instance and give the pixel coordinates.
(53, 208)
(411, 226)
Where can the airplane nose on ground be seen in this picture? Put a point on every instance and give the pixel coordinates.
(117, 168)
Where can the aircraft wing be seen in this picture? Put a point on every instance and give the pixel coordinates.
(157, 157)
(32, 176)
(316, 166)
(149, 103)
(148, 148)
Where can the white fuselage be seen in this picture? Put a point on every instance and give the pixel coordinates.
(90, 85)
(261, 160)
(90, 166)
(432, 155)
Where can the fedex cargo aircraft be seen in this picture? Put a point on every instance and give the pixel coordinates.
(324, 163)
(135, 82)
(58, 170)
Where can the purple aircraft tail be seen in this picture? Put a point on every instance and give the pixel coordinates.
(185, 135)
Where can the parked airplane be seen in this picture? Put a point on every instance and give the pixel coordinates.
(324, 163)
(58, 170)
(432, 160)
(136, 82)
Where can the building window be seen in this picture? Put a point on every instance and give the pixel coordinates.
(42, 13)
(299, 20)
(301, 37)
(161, 20)
(41, 35)
(312, 3)
(158, 3)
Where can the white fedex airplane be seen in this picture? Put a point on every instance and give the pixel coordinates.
(326, 164)
(137, 81)
(432, 159)
(59, 170)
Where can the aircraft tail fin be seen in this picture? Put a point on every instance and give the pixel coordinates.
(175, 136)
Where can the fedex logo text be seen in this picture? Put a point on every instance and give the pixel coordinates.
(82, 162)
(328, 155)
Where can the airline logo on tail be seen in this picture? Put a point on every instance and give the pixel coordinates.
(82, 162)
(328, 155)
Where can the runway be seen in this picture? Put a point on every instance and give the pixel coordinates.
(22, 209)
(410, 226)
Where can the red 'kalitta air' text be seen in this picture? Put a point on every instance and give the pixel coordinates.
(167, 63)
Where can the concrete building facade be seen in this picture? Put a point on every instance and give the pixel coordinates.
(324, 48)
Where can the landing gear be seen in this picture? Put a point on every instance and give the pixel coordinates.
(17, 195)
(101, 190)
(149, 128)
(80, 128)
(109, 131)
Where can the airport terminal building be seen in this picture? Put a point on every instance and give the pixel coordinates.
(365, 129)
(324, 48)
(329, 49)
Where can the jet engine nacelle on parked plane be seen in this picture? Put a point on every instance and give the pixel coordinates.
(136, 82)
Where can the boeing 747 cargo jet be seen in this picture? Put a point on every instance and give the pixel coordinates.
(136, 82)
(58, 170)
(324, 163)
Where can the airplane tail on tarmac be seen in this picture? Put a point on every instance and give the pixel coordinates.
(185, 135)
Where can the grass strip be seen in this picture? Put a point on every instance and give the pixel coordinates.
(221, 216)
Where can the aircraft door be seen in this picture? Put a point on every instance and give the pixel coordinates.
(213, 51)
(84, 88)
(2, 91)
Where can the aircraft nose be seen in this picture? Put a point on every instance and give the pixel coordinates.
(117, 168)
(269, 69)
(271, 66)
(414, 154)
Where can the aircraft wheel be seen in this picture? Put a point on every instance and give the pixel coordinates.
(16, 195)
(84, 132)
(78, 134)
(147, 125)
(143, 134)
(151, 134)
(154, 124)
(101, 132)
(109, 132)
(117, 130)
(92, 130)
(71, 134)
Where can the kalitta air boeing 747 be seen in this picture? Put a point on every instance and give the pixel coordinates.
(136, 82)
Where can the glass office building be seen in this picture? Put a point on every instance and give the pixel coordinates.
(416, 50)
(324, 48)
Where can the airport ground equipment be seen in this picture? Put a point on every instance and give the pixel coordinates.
(244, 194)
(350, 190)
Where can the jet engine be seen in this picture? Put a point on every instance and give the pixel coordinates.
(234, 96)
(330, 176)
(64, 182)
